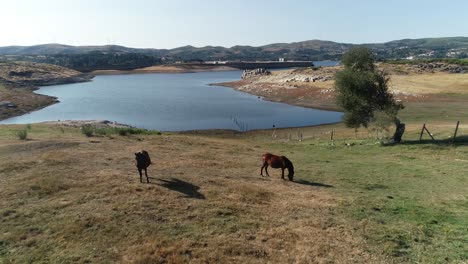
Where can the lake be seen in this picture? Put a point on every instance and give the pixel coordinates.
(171, 102)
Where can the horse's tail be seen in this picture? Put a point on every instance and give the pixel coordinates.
(290, 167)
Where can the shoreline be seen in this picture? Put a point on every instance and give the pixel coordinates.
(161, 69)
(174, 69)
(318, 104)
(205, 132)
(296, 92)
(232, 85)
(28, 91)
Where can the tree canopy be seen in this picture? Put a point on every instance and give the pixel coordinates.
(362, 89)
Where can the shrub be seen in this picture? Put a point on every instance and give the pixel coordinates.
(22, 134)
(123, 132)
(28, 126)
(87, 130)
(101, 131)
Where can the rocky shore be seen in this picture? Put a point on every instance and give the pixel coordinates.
(30, 74)
(314, 86)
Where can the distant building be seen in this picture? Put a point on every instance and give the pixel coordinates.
(281, 60)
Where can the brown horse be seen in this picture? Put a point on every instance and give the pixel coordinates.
(277, 162)
(142, 163)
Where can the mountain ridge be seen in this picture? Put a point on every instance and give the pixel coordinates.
(303, 50)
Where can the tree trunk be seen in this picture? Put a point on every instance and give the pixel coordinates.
(400, 129)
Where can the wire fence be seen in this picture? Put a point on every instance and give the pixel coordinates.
(447, 132)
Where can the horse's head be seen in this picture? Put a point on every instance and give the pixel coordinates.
(291, 174)
(290, 167)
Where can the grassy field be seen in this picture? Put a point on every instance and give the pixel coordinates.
(69, 198)
(430, 83)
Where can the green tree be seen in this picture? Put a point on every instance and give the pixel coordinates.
(362, 92)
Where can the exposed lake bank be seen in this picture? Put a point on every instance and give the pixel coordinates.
(19, 80)
(173, 68)
(313, 87)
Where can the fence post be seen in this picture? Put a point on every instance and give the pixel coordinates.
(427, 130)
(422, 131)
(331, 135)
(456, 130)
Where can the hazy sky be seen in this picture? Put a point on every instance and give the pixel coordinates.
(174, 23)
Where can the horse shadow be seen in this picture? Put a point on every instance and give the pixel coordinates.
(316, 184)
(186, 188)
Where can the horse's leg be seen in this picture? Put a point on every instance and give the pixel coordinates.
(263, 166)
(141, 179)
(282, 173)
(266, 170)
(146, 174)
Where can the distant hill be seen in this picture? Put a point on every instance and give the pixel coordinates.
(53, 49)
(456, 47)
(453, 47)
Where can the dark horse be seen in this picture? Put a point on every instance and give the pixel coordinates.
(277, 162)
(142, 162)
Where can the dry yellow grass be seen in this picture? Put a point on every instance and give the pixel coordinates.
(430, 83)
(67, 198)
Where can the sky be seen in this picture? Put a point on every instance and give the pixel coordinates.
(175, 23)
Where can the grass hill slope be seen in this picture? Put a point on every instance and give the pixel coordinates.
(68, 198)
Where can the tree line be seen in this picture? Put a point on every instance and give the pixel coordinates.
(100, 61)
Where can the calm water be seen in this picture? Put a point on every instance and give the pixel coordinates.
(326, 63)
(170, 102)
